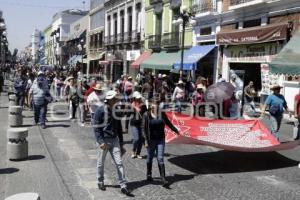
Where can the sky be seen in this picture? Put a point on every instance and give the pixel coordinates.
(22, 17)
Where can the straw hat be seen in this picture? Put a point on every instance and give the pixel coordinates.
(111, 94)
(98, 87)
(164, 75)
(200, 86)
(180, 82)
(136, 95)
(278, 87)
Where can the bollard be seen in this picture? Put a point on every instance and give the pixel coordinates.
(17, 145)
(24, 196)
(15, 117)
(12, 100)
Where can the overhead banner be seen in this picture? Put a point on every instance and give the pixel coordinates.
(232, 135)
(259, 34)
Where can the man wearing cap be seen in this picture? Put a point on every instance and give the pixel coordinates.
(105, 128)
(95, 99)
(178, 95)
(276, 103)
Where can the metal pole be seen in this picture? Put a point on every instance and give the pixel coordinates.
(182, 48)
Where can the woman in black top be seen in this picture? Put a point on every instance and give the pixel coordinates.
(153, 129)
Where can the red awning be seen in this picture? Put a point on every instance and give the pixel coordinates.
(136, 64)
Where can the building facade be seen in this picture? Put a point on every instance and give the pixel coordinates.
(124, 36)
(164, 37)
(49, 56)
(60, 33)
(3, 41)
(252, 34)
(75, 46)
(95, 37)
(37, 46)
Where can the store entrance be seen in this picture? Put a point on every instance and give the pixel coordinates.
(252, 73)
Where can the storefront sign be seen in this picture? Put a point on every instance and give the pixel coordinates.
(132, 55)
(261, 53)
(253, 35)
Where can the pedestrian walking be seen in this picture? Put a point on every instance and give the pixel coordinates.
(95, 99)
(82, 88)
(72, 97)
(153, 129)
(297, 114)
(178, 96)
(197, 100)
(20, 85)
(38, 95)
(250, 93)
(105, 129)
(139, 108)
(276, 103)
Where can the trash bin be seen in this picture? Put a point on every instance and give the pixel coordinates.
(17, 145)
(12, 100)
(24, 196)
(15, 117)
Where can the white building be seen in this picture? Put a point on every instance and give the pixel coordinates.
(36, 46)
(60, 32)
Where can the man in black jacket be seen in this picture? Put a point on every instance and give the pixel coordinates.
(106, 127)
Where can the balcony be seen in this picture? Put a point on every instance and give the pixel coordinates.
(107, 40)
(127, 37)
(136, 36)
(154, 41)
(120, 38)
(154, 1)
(204, 7)
(237, 4)
(170, 40)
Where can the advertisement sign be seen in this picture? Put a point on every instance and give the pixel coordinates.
(132, 55)
(233, 135)
(253, 35)
(257, 53)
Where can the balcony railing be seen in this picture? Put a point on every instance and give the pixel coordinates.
(120, 38)
(154, 41)
(108, 40)
(136, 36)
(237, 2)
(154, 1)
(171, 39)
(204, 6)
(127, 37)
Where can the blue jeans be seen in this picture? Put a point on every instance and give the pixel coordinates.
(298, 134)
(39, 113)
(156, 147)
(178, 106)
(275, 124)
(115, 152)
(137, 139)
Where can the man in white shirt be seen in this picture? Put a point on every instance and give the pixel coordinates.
(95, 99)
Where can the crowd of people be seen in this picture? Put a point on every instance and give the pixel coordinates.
(141, 102)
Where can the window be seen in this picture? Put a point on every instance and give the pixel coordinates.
(122, 22)
(108, 26)
(158, 24)
(252, 23)
(205, 31)
(129, 11)
(115, 24)
(176, 13)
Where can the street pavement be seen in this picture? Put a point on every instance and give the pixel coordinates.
(62, 165)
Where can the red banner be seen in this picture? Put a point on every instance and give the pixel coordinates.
(233, 135)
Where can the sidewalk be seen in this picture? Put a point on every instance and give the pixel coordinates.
(41, 172)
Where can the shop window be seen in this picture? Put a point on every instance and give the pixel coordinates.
(252, 23)
(206, 31)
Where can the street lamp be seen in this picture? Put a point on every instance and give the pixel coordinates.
(81, 46)
(184, 18)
